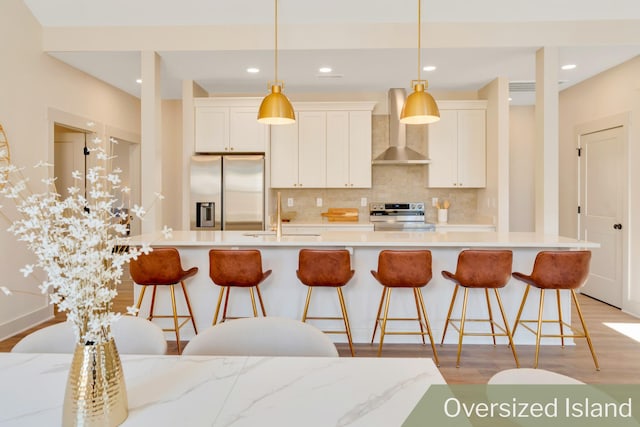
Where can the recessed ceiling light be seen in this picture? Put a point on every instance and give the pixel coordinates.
(253, 70)
(568, 66)
(139, 81)
(510, 99)
(429, 68)
(325, 69)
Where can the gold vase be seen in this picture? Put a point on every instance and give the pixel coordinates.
(96, 394)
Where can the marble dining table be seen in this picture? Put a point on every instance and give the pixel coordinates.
(229, 391)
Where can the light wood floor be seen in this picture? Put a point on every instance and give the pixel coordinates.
(618, 354)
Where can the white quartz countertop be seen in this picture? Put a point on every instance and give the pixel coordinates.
(203, 391)
(362, 239)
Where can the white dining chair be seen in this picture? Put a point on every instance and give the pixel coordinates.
(262, 336)
(133, 335)
(531, 376)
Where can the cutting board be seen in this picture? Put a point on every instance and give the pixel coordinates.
(341, 214)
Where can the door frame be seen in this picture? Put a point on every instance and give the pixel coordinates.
(616, 121)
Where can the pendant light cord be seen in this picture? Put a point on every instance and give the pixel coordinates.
(419, 35)
(276, 42)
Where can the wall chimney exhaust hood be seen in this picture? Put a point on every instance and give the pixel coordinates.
(398, 153)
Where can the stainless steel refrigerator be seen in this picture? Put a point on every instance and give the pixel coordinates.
(227, 192)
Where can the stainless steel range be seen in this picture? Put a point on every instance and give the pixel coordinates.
(399, 217)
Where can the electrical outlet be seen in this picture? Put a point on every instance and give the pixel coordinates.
(290, 202)
(319, 202)
(363, 201)
(434, 201)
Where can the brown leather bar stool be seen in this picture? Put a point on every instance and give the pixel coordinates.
(161, 267)
(557, 270)
(480, 269)
(326, 268)
(236, 268)
(403, 269)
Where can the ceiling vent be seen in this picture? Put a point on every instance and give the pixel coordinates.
(527, 86)
(329, 76)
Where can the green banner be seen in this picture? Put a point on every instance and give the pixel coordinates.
(527, 405)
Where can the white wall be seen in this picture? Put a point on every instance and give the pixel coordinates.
(32, 83)
(522, 168)
(616, 91)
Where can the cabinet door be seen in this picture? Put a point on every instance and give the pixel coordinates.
(338, 149)
(211, 129)
(471, 148)
(284, 156)
(312, 160)
(359, 149)
(443, 151)
(246, 134)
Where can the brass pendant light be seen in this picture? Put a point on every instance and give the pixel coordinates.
(276, 109)
(420, 107)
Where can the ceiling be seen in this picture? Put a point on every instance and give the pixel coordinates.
(463, 64)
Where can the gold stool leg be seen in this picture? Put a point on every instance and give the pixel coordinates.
(215, 314)
(375, 326)
(345, 318)
(415, 297)
(446, 323)
(383, 327)
(464, 314)
(493, 329)
(226, 304)
(524, 300)
(253, 303)
(139, 303)
(153, 302)
(539, 331)
(264, 312)
(426, 319)
(560, 317)
(306, 305)
(584, 327)
(186, 298)
(506, 327)
(175, 317)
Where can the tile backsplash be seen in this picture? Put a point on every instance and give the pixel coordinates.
(397, 183)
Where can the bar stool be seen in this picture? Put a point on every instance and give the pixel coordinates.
(161, 267)
(403, 269)
(559, 270)
(480, 269)
(326, 268)
(236, 268)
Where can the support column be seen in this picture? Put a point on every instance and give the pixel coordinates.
(151, 144)
(190, 90)
(547, 142)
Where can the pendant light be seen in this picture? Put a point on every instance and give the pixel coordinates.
(276, 109)
(420, 107)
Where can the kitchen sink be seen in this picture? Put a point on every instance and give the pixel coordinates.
(273, 233)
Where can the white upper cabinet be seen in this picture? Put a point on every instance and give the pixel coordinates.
(312, 155)
(284, 155)
(349, 149)
(328, 147)
(229, 125)
(457, 146)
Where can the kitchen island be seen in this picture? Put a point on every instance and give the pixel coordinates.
(284, 295)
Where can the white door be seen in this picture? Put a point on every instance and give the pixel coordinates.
(601, 204)
(69, 148)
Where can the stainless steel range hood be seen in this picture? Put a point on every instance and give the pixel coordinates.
(398, 153)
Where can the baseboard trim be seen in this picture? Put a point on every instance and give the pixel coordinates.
(25, 322)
